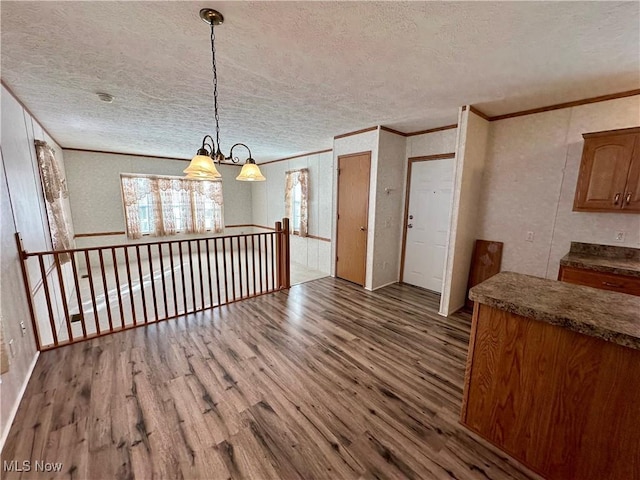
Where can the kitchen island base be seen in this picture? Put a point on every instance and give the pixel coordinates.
(565, 404)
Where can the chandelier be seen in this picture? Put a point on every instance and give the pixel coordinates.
(203, 164)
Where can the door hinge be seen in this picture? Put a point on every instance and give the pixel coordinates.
(337, 258)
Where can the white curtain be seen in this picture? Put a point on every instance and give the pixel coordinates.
(206, 204)
(292, 179)
(55, 192)
(177, 205)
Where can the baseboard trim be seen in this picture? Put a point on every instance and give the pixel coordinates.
(14, 410)
(385, 285)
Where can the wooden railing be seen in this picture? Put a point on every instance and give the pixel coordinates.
(82, 293)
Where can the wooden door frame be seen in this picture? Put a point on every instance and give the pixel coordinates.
(366, 238)
(412, 160)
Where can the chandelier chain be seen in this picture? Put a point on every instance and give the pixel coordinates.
(215, 86)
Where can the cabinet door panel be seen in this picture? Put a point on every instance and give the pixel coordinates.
(632, 191)
(603, 173)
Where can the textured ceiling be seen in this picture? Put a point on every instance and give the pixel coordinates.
(294, 74)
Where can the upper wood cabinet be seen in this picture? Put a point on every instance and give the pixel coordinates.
(609, 178)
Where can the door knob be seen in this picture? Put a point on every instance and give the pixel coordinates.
(410, 225)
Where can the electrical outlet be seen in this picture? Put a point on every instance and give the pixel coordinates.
(529, 237)
(24, 328)
(619, 236)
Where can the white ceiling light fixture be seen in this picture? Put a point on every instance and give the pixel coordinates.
(202, 166)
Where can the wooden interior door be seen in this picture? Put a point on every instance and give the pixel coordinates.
(353, 213)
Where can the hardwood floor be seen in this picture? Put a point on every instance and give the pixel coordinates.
(324, 381)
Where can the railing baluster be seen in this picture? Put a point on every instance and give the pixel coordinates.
(253, 262)
(96, 317)
(105, 286)
(47, 296)
(117, 278)
(233, 274)
(173, 280)
(273, 262)
(206, 243)
(164, 286)
(201, 281)
(240, 292)
(76, 282)
(142, 289)
(246, 265)
(184, 284)
(193, 283)
(133, 305)
(152, 276)
(215, 252)
(260, 260)
(224, 264)
(63, 294)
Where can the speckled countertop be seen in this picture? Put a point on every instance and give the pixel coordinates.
(603, 258)
(611, 316)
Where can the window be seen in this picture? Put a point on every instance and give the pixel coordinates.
(161, 206)
(296, 194)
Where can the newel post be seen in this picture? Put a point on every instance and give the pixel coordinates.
(27, 288)
(278, 253)
(286, 253)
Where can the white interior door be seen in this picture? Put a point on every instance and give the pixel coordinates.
(428, 223)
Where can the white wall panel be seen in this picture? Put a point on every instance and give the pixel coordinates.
(468, 172)
(22, 210)
(96, 199)
(530, 180)
(268, 205)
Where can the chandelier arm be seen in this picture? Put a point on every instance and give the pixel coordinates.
(211, 145)
(236, 160)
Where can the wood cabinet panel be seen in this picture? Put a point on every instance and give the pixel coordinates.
(631, 200)
(565, 404)
(609, 161)
(602, 280)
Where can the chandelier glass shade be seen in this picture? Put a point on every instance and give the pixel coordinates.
(203, 164)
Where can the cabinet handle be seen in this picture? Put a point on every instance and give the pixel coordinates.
(611, 284)
(616, 199)
(628, 198)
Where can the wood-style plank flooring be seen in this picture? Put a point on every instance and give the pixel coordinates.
(324, 381)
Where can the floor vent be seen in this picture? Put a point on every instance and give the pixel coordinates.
(75, 317)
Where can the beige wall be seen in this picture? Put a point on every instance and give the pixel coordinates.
(22, 210)
(468, 171)
(530, 180)
(96, 200)
(389, 207)
(268, 207)
(434, 143)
